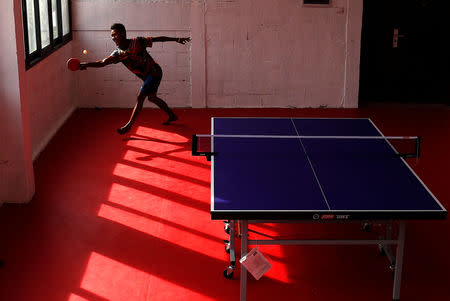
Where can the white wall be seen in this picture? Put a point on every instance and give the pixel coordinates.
(272, 53)
(244, 53)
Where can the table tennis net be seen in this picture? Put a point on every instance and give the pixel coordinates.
(206, 144)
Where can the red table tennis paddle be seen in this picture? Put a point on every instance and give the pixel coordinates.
(73, 64)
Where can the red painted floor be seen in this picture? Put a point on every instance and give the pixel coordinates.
(127, 219)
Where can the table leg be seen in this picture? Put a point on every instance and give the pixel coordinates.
(232, 243)
(244, 249)
(399, 261)
(388, 248)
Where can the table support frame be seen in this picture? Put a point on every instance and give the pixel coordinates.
(384, 244)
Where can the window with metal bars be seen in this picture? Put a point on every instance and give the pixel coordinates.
(46, 26)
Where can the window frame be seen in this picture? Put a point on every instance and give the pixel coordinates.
(40, 53)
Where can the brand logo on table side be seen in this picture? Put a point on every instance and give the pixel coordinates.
(331, 216)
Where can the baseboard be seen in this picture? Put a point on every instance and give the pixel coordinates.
(43, 143)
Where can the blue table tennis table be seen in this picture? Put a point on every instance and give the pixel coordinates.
(313, 170)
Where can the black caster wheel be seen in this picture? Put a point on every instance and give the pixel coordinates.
(228, 273)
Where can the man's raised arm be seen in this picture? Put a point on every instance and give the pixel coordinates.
(169, 39)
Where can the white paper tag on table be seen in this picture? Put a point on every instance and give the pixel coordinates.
(255, 263)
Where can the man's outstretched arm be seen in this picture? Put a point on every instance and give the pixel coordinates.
(169, 39)
(99, 64)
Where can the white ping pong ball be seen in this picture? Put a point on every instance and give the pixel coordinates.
(84, 51)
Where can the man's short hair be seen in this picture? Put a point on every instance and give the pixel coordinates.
(119, 27)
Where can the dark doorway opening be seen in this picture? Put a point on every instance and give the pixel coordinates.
(405, 52)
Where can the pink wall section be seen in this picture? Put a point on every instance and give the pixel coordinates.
(48, 89)
(16, 169)
(34, 104)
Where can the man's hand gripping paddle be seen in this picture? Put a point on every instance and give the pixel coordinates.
(73, 64)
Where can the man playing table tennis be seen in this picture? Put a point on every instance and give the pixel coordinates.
(133, 54)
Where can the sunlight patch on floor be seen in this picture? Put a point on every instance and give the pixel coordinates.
(180, 187)
(160, 208)
(189, 171)
(74, 297)
(116, 281)
(161, 135)
(113, 280)
(180, 236)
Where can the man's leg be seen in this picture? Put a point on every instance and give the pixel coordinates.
(136, 110)
(163, 106)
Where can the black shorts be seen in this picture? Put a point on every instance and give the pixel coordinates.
(151, 84)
